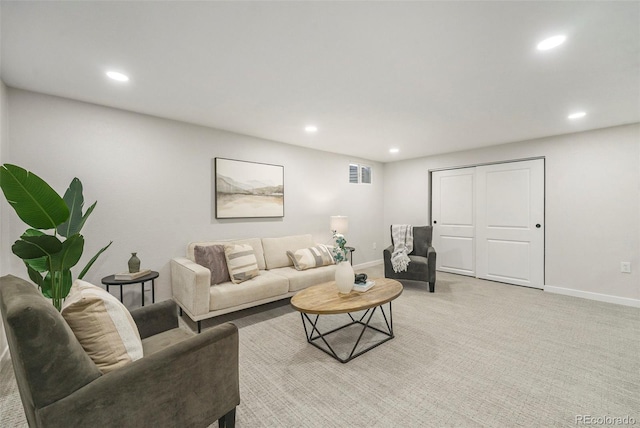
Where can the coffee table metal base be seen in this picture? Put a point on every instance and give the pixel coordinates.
(314, 335)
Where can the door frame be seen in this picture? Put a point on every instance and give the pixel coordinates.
(544, 199)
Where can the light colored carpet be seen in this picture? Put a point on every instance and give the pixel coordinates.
(474, 353)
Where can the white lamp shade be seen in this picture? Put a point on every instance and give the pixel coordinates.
(339, 224)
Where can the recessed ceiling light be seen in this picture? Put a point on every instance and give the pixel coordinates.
(577, 115)
(311, 128)
(118, 76)
(394, 150)
(551, 42)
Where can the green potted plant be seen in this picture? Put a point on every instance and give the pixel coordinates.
(48, 257)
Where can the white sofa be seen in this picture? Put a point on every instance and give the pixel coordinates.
(278, 279)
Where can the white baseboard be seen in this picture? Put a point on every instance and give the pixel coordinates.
(593, 296)
(368, 264)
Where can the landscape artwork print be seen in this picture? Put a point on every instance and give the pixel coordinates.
(248, 189)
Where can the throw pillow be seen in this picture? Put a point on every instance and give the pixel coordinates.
(103, 326)
(308, 258)
(212, 257)
(241, 262)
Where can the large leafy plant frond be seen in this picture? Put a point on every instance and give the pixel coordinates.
(75, 202)
(93, 259)
(33, 247)
(70, 253)
(35, 274)
(35, 202)
(62, 280)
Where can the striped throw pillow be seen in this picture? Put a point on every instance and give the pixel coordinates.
(103, 326)
(241, 262)
(312, 257)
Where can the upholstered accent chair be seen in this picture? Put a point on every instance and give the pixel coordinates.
(183, 380)
(423, 259)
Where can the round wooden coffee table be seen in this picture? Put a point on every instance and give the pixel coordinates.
(324, 299)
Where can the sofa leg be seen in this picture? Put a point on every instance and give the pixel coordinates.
(199, 326)
(228, 420)
(180, 310)
(432, 287)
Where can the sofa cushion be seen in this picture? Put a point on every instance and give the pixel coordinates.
(103, 326)
(299, 279)
(312, 257)
(241, 261)
(418, 264)
(256, 244)
(275, 249)
(261, 287)
(212, 257)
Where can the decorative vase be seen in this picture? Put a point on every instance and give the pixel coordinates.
(345, 277)
(134, 263)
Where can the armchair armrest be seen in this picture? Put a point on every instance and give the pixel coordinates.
(155, 318)
(192, 383)
(190, 285)
(431, 262)
(388, 268)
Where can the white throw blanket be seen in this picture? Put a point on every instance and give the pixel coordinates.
(402, 237)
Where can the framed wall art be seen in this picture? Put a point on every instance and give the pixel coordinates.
(248, 189)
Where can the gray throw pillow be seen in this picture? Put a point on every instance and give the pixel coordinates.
(212, 257)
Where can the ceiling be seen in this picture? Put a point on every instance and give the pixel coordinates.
(423, 77)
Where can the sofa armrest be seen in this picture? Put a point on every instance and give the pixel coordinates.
(192, 383)
(190, 285)
(156, 318)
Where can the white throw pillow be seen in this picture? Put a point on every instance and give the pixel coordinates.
(103, 326)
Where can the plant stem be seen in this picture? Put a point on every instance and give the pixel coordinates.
(56, 291)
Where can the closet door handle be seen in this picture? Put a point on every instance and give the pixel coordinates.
(538, 225)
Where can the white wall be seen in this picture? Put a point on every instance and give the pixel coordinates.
(592, 205)
(152, 179)
(4, 222)
(4, 350)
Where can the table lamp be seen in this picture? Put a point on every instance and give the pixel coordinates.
(339, 224)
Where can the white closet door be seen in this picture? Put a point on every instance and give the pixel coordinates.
(453, 223)
(510, 223)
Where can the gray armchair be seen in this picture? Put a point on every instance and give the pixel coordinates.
(423, 259)
(183, 379)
